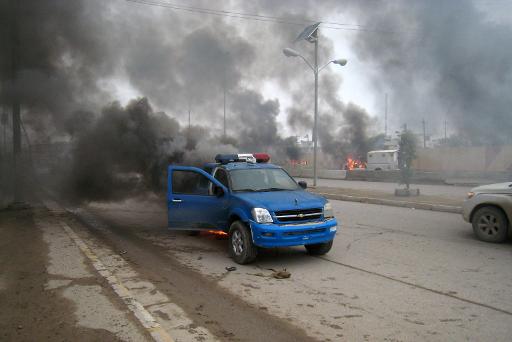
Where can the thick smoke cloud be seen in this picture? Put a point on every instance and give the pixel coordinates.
(77, 58)
(60, 57)
(444, 60)
(68, 55)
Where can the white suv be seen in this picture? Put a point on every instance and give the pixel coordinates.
(489, 209)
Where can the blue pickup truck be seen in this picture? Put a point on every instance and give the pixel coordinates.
(256, 203)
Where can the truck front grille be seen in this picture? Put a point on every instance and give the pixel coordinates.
(303, 232)
(299, 215)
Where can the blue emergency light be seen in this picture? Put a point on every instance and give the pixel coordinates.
(226, 158)
(242, 157)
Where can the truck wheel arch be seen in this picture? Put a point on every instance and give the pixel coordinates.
(233, 218)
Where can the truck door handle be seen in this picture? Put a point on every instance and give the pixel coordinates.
(176, 200)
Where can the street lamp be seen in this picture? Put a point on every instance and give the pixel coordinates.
(310, 34)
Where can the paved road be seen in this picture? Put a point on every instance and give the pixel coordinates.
(394, 273)
(451, 191)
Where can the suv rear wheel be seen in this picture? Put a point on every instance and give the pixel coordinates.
(319, 248)
(241, 248)
(490, 224)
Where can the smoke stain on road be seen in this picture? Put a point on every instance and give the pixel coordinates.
(29, 308)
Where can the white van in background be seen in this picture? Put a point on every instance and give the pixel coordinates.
(382, 160)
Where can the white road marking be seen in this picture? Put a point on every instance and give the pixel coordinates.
(157, 313)
(145, 318)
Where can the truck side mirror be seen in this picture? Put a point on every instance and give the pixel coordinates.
(303, 185)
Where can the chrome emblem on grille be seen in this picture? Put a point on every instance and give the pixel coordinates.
(301, 215)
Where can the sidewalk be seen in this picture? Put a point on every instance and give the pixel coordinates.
(446, 198)
(49, 291)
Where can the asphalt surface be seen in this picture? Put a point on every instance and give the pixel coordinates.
(394, 273)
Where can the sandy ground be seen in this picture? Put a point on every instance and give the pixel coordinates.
(47, 290)
(393, 274)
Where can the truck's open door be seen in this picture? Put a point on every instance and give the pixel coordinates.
(195, 200)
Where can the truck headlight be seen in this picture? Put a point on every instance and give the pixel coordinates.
(261, 215)
(470, 194)
(328, 213)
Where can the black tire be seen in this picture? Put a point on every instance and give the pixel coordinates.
(241, 248)
(490, 224)
(319, 248)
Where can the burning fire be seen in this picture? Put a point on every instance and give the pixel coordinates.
(218, 233)
(353, 164)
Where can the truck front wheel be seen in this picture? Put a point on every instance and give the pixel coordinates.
(241, 248)
(319, 248)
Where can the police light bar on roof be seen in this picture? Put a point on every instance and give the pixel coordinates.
(262, 157)
(247, 157)
(243, 157)
(226, 158)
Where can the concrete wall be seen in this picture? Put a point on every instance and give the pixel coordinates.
(322, 173)
(418, 177)
(462, 159)
(453, 165)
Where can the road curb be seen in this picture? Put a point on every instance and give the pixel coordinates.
(141, 314)
(394, 203)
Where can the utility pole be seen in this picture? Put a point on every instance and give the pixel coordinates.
(445, 136)
(424, 134)
(5, 118)
(16, 120)
(224, 109)
(315, 126)
(189, 117)
(386, 115)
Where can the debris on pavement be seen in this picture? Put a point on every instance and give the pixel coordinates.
(282, 274)
(230, 268)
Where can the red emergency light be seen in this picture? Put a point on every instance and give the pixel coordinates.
(261, 157)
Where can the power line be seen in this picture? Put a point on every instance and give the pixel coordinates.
(257, 17)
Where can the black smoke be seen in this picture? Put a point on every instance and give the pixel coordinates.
(442, 60)
(78, 62)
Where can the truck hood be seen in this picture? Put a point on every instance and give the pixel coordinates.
(282, 200)
(498, 188)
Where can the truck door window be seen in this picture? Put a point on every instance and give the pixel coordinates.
(189, 183)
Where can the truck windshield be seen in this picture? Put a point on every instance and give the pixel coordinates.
(261, 180)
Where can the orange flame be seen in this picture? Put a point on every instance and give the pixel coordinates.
(218, 233)
(355, 164)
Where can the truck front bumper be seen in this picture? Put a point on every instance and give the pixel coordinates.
(284, 235)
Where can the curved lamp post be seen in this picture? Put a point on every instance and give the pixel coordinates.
(293, 53)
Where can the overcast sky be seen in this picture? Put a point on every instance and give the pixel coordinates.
(357, 78)
(437, 60)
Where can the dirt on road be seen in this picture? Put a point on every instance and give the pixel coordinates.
(29, 310)
(227, 316)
